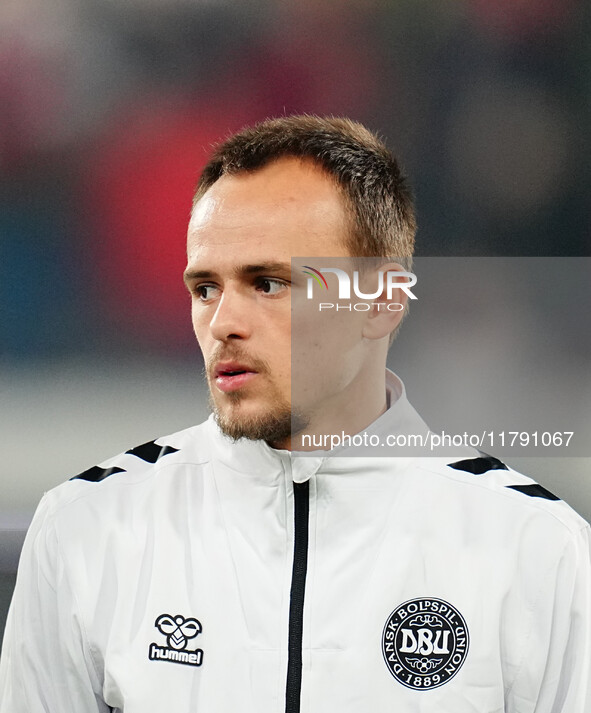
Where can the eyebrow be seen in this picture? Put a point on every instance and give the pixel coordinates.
(241, 270)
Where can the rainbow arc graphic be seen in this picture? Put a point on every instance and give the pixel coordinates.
(318, 276)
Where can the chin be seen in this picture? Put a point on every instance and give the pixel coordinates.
(269, 427)
(273, 423)
(257, 423)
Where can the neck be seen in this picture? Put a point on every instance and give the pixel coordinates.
(348, 412)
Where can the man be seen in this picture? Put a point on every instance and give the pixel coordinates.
(213, 570)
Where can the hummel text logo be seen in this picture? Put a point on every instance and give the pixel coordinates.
(178, 632)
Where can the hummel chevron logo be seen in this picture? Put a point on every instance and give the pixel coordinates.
(149, 452)
(178, 631)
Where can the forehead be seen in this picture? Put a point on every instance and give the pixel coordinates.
(287, 209)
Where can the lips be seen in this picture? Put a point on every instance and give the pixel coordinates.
(232, 375)
(231, 368)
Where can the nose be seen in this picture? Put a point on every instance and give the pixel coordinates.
(231, 318)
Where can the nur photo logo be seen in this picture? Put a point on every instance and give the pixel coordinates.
(387, 282)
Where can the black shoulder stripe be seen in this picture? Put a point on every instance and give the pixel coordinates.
(150, 452)
(534, 491)
(96, 474)
(478, 466)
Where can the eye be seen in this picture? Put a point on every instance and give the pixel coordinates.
(270, 286)
(205, 292)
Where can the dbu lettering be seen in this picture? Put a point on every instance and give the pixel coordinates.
(425, 643)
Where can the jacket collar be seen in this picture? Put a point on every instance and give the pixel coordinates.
(257, 457)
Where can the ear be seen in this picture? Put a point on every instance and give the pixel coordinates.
(388, 308)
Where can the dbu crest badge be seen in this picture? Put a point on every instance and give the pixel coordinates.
(425, 642)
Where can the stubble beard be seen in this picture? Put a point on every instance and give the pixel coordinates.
(278, 423)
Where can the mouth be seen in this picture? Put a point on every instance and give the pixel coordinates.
(230, 376)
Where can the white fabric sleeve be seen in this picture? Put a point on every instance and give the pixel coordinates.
(46, 664)
(555, 675)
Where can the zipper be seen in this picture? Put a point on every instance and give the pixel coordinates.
(293, 689)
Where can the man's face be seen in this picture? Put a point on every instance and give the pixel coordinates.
(242, 236)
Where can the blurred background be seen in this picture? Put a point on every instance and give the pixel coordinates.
(108, 109)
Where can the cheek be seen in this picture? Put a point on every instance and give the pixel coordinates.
(196, 323)
(275, 348)
(279, 352)
(200, 326)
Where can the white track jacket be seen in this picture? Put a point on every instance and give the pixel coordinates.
(197, 575)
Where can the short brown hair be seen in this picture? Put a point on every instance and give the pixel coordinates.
(376, 193)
